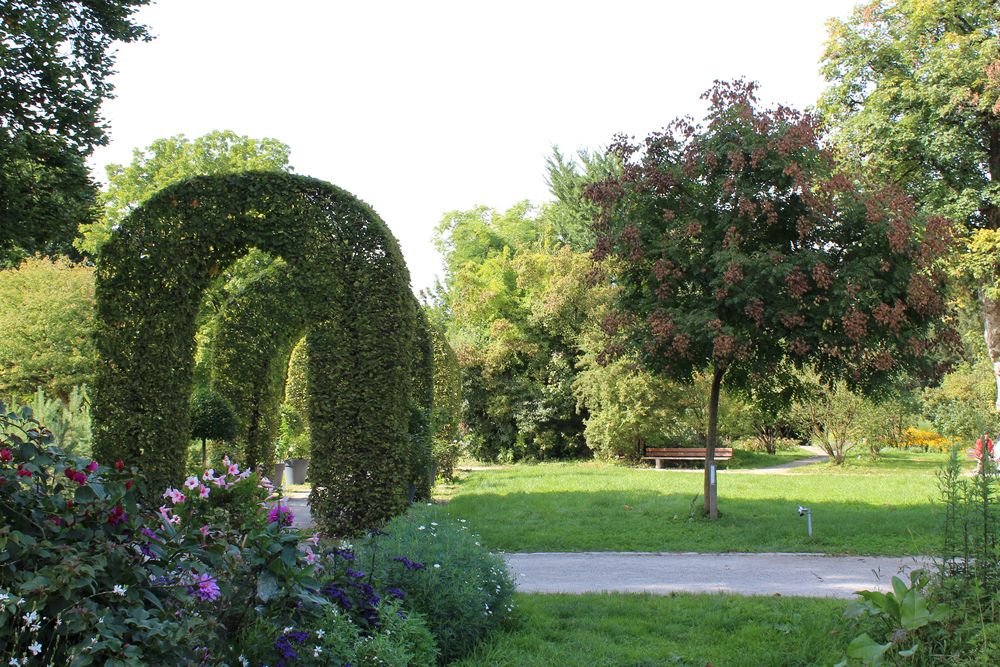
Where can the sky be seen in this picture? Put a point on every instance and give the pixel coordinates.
(425, 107)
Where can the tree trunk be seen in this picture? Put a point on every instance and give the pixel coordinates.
(711, 499)
(991, 332)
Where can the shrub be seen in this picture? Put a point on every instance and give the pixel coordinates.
(68, 420)
(463, 591)
(47, 320)
(89, 576)
(331, 638)
(926, 440)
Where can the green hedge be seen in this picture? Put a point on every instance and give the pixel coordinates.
(341, 272)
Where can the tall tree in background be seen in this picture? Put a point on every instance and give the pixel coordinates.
(515, 299)
(173, 159)
(739, 248)
(55, 65)
(914, 99)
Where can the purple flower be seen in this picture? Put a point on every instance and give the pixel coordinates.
(343, 553)
(281, 515)
(408, 564)
(395, 592)
(204, 587)
(354, 574)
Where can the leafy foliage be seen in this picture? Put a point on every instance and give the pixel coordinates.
(447, 402)
(171, 160)
(345, 279)
(47, 319)
(463, 591)
(55, 68)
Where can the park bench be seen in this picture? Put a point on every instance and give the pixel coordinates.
(661, 454)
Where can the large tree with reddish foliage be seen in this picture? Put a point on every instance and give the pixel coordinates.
(740, 247)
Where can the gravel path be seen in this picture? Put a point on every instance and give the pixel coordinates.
(808, 575)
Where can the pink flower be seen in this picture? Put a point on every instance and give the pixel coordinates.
(92, 466)
(176, 520)
(191, 482)
(203, 491)
(244, 474)
(165, 513)
(209, 475)
(204, 530)
(5, 455)
(76, 476)
(314, 539)
(234, 469)
(310, 556)
(280, 515)
(175, 496)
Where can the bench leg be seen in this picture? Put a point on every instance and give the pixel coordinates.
(659, 464)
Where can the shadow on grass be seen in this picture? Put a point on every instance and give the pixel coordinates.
(645, 520)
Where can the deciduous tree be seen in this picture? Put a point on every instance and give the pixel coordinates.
(738, 247)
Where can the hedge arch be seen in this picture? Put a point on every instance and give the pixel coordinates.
(340, 278)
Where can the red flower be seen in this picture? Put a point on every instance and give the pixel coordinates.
(119, 465)
(92, 466)
(5, 455)
(76, 476)
(128, 485)
(24, 473)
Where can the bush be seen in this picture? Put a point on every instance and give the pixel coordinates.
(463, 591)
(89, 576)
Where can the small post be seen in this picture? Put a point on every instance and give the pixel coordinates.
(807, 513)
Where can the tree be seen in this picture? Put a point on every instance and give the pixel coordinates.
(47, 319)
(212, 418)
(738, 247)
(55, 68)
(174, 159)
(914, 98)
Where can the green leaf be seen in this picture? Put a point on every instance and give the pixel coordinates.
(913, 611)
(267, 587)
(910, 651)
(867, 649)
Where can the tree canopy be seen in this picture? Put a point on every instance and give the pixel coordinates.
(738, 246)
(55, 67)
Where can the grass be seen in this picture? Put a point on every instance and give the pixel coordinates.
(683, 630)
(869, 508)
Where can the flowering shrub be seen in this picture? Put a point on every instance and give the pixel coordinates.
(443, 573)
(78, 583)
(90, 576)
(928, 440)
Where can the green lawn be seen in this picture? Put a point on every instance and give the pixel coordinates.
(684, 630)
(883, 508)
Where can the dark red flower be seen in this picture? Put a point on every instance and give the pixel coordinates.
(5, 455)
(24, 473)
(119, 465)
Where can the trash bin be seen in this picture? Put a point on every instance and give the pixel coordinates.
(282, 474)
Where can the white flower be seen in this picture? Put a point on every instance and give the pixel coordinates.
(437, 564)
(421, 527)
(119, 590)
(287, 630)
(4, 597)
(317, 650)
(433, 523)
(35, 648)
(30, 617)
(320, 633)
(244, 661)
(14, 662)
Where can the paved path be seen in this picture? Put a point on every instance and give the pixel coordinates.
(806, 575)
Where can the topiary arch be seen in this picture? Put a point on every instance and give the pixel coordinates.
(338, 277)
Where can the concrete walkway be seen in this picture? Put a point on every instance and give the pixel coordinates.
(805, 575)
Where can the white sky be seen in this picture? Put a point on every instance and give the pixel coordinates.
(423, 107)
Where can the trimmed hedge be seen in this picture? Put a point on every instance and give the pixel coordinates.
(341, 272)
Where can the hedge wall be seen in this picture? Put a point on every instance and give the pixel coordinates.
(341, 279)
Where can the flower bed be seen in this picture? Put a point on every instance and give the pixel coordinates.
(89, 575)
